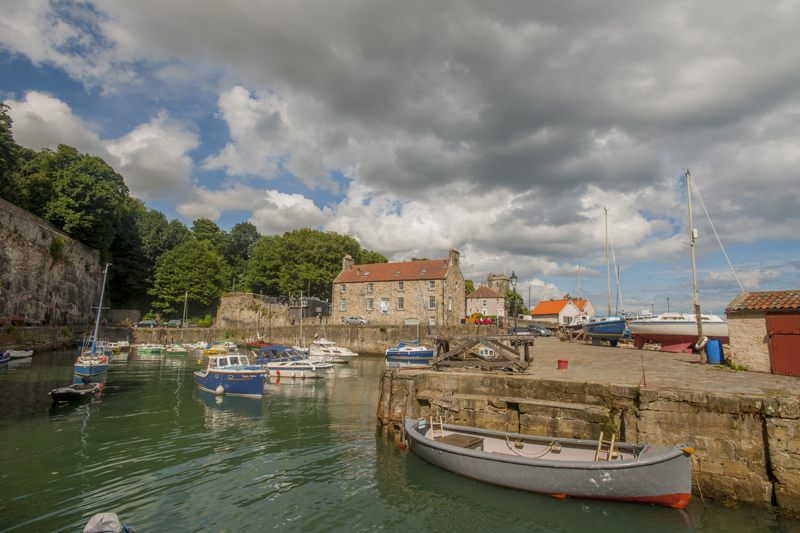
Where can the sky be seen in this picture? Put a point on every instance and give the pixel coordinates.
(504, 129)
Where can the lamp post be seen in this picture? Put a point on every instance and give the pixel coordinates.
(667, 305)
(514, 289)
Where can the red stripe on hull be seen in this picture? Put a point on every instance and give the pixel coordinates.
(678, 500)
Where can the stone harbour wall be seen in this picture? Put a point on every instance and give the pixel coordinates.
(747, 447)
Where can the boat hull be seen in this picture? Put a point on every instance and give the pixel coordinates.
(676, 336)
(663, 479)
(91, 369)
(74, 392)
(407, 356)
(248, 383)
(4, 358)
(20, 354)
(606, 330)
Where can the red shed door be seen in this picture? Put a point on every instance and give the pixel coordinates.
(784, 344)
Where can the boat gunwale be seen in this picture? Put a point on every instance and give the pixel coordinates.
(412, 425)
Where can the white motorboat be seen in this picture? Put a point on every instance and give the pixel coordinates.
(286, 362)
(327, 351)
(677, 332)
(20, 354)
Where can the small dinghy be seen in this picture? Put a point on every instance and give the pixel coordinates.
(595, 469)
(20, 354)
(76, 391)
(106, 523)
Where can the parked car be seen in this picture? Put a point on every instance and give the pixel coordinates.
(146, 324)
(357, 320)
(520, 330)
(172, 324)
(540, 330)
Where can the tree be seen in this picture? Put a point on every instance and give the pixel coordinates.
(131, 274)
(521, 309)
(9, 149)
(568, 297)
(368, 257)
(204, 229)
(420, 259)
(239, 249)
(192, 267)
(469, 287)
(264, 267)
(88, 198)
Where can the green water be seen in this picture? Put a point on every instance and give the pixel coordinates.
(167, 457)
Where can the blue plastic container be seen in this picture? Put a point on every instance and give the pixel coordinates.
(714, 352)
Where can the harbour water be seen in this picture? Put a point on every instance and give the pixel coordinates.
(167, 457)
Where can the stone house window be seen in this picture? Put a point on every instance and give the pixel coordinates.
(431, 285)
(432, 302)
(450, 303)
(369, 304)
(343, 289)
(400, 286)
(384, 305)
(342, 305)
(432, 321)
(341, 320)
(369, 287)
(400, 304)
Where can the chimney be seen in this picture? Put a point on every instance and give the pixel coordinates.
(347, 263)
(454, 255)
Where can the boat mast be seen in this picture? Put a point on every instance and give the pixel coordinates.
(99, 308)
(692, 237)
(608, 267)
(183, 322)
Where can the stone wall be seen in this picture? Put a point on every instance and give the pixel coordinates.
(37, 285)
(747, 447)
(749, 342)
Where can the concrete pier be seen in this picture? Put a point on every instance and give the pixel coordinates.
(744, 426)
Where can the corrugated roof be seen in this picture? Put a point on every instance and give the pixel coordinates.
(551, 307)
(764, 301)
(485, 292)
(405, 271)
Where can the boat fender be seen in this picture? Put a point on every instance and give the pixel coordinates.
(701, 343)
(220, 390)
(687, 450)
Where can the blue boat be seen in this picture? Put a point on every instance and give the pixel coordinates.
(606, 328)
(409, 351)
(230, 374)
(4, 358)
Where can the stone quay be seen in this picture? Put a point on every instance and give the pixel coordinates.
(744, 426)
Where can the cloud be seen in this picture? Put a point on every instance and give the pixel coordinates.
(750, 281)
(43, 121)
(153, 157)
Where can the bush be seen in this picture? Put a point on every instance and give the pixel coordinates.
(205, 323)
(10, 329)
(149, 316)
(383, 329)
(56, 247)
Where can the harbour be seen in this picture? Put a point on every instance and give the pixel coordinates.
(166, 456)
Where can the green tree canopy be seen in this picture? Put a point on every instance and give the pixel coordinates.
(88, 198)
(239, 245)
(194, 267)
(264, 267)
(368, 257)
(521, 309)
(469, 287)
(9, 156)
(207, 230)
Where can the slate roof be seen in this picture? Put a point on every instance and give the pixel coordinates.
(485, 292)
(551, 307)
(405, 271)
(765, 301)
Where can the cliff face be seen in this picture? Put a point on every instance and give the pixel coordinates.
(45, 273)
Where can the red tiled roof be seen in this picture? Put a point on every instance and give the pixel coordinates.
(551, 307)
(769, 300)
(485, 292)
(408, 271)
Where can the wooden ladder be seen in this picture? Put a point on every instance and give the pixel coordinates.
(433, 427)
(610, 453)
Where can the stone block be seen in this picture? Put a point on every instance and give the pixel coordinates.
(490, 420)
(735, 468)
(497, 405)
(584, 415)
(674, 407)
(647, 396)
(788, 408)
(751, 404)
(711, 467)
(750, 489)
(622, 391)
(469, 403)
(787, 494)
(540, 410)
(596, 390)
(723, 403)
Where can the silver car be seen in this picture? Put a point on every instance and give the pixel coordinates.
(357, 320)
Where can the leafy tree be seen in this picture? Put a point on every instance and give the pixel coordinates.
(568, 297)
(204, 229)
(194, 267)
(264, 267)
(239, 249)
(420, 259)
(510, 297)
(469, 287)
(368, 257)
(9, 153)
(89, 198)
(131, 275)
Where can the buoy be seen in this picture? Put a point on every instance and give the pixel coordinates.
(220, 390)
(278, 373)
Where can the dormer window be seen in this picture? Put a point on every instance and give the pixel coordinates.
(397, 273)
(366, 273)
(424, 270)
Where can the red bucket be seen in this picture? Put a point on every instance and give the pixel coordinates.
(562, 364)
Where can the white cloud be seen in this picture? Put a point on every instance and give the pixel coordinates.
(153, 157)
(43, 121)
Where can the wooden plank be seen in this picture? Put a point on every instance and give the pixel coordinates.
(476, 362)
(454, 351)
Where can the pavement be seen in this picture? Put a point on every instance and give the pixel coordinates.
(626, 365)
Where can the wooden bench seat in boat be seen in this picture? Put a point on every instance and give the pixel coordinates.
(462, 441)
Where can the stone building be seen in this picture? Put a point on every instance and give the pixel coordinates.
(764, 331)
(498, 283)
(486, 302)
(400, 293)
